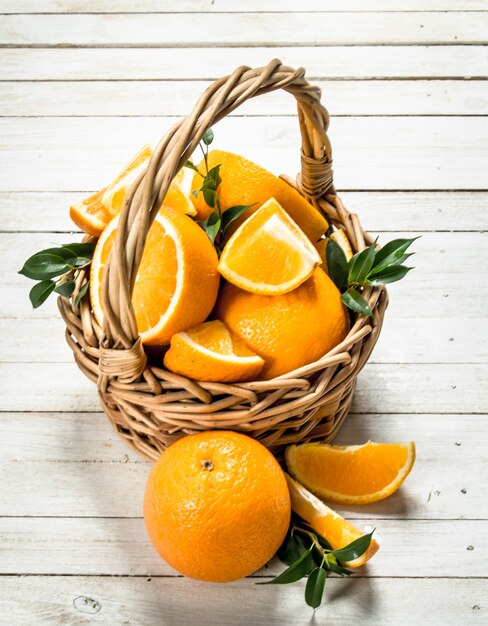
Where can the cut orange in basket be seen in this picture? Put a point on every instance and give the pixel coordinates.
(94, 213)
(211, 352)
(268, 253)
(340, 237)
(244, 182)
(177, 282)
(334, 528)
(351, 474)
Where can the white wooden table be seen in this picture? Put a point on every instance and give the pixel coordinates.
(84, 84)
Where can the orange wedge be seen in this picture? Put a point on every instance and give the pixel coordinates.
(340, 237)
(94, 213)
(244, 182)
(210, 352)
(338, 531)
(268, 253)
(177, 282)
(351, 474)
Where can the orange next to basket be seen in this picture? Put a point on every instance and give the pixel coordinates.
(151, 407)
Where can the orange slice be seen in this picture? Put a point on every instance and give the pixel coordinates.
(338, 531)
(244, 182)
(268, 253)
(340, 237)
(94, 213)
(177, 282)
(210, 352)
(351, 474)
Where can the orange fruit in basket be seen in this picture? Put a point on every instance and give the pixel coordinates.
(244, 182)
(351, 474)
(217, 506)
(268, 253)
(211, 352)
(338, 531)
(177, 282)
(289, 330)
(94, 213)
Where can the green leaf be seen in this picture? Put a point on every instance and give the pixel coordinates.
(189, 164)
(82, 293)
(208, 137)
(355, 549)
(355, 301)
(332, 565)
(44, 265)
(336, 264)
(195, 192)
(232, 213)
(294, 549)
(211, 226)
(66, 289)
(389, 274)
(209, 196)
(391, 253)
(297, 570)
(213, 179)
(84, 250)
(361, 264)
(41, 292)
(314, 589)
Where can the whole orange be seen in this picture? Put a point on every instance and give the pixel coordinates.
(217, 505)
(289, 330)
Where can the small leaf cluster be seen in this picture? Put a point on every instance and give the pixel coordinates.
(60, 264)
(218, 221)
(371, 267)
(309, 555)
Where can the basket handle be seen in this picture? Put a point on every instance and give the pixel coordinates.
(122, 354)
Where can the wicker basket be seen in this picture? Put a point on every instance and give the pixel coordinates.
(151, 407)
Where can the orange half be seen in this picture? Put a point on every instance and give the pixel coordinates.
(177, 282)
(351, 474)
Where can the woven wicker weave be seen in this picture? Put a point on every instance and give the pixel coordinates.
(151, 407)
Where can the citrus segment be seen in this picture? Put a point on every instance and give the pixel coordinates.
(340, 237)
(210, 352)
(217, 506)
(351, 474)
(268, 253)
(334, 528)
(244, 182)
(289, 330)
(177, 282)
(94, 213)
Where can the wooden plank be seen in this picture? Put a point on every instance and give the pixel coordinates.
(411, 340)
(243, 29)
(157, 98)
(52, 601)
(121, 547)
(48, 459)
(401, 153)
(379, 211)
(190, 6)
(332, 62)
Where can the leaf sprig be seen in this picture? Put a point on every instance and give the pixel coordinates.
(309, 555)
(60, 263)
(218, 221)
(371, 267)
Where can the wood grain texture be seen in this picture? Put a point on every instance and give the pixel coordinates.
(380, 211)
(370, 153)
(178, 602)
(121, 547)
(159, 98)
(189, 6)
(243, 29)
(58, 464)
(321, 62)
